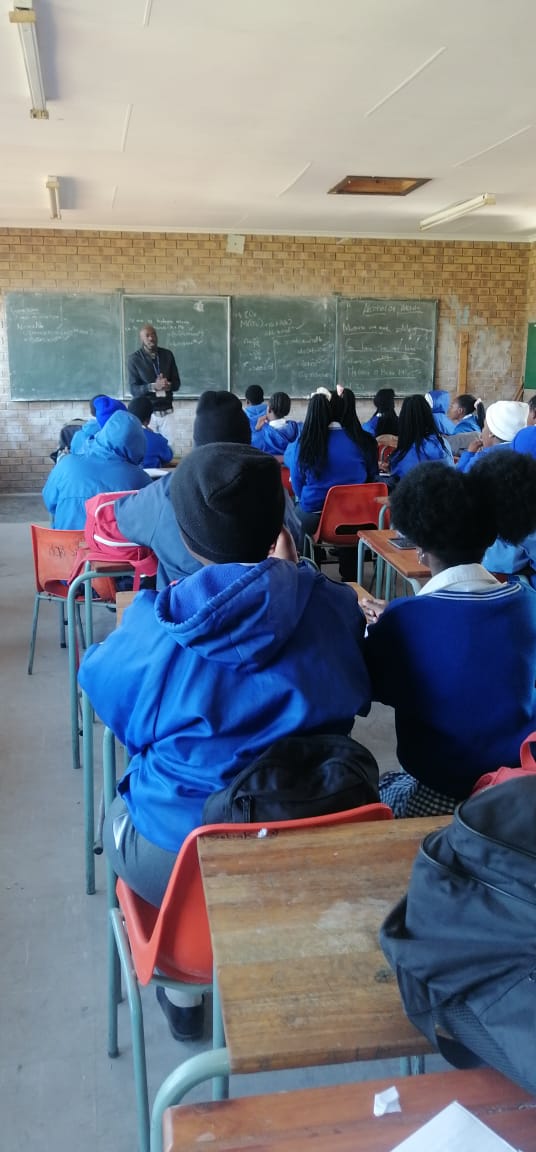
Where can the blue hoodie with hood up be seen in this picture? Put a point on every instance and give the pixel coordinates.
(110, 463)
(439, 401)
(204, 676)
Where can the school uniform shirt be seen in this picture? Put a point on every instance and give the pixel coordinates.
(457, 663)
(158, 450)
(346, 463)
(513, 559)
(468, 459)
(275, 437)
(468, 424)
(431, 448)
(203, 677)
(110, 463)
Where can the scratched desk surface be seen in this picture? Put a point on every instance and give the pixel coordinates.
(294, 920)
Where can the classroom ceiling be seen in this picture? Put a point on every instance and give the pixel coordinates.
(238, 116)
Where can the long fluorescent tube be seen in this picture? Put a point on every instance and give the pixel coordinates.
(456, 210)
(25, 20)
(53, 187)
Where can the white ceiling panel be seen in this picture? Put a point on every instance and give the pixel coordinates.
(185, 114)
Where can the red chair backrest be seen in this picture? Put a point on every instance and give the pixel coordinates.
(54, 551)
(285, 479)
(347, 508)
(176, 938)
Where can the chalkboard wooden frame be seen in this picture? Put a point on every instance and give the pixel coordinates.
(167, 313)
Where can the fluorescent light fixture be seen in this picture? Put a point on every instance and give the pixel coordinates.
(53, 188)
(456, 210)
(24, 18)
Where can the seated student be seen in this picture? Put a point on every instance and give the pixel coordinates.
(274, 431)
(158, 450)
(332, 449)
(110, 463)
(147, 517)
(467, 413)
(438, 399)
(418, 439)
(255, 404)
(504, 419)
(251, 648)
(101, 407)
(384, 422)
(457, 662)
(516, 559)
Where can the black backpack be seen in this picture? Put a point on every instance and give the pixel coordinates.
(463, 940)
(297, 777)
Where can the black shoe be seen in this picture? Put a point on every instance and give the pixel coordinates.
(184, 1023)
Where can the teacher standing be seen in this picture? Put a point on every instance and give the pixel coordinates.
(152, 372)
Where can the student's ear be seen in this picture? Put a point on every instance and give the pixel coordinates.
(284, 547)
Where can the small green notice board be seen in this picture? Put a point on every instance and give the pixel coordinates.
(530, 362)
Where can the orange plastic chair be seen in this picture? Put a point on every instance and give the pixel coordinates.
(54, 551)
(285, 479)
(347, 508)
(171, 946)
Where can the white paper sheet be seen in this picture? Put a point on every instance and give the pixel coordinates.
(454, 1130)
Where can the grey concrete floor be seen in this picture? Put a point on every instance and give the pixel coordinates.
(58, 1088)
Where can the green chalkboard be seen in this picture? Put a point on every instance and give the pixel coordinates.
(283, 343)
(530, 362)
(194, 328)
(386, 343)
(63, 346)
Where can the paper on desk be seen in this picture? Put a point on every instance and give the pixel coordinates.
(386, 1101)
(454, 1130)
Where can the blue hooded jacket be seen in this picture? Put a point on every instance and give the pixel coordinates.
(458, 669)
(275, 438)
(440, 402)
(346, 463)
(254, 411)
(202, 677)
(110, 463)
(430, 449)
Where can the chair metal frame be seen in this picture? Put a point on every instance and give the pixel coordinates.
(346, 509)
(172, 947)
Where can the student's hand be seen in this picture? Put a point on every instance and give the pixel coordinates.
(284, 547)
(474, 445)
(372, 608)
(261, 422)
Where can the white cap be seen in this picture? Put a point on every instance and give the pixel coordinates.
(505, 418)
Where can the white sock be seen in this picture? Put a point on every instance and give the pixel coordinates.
(183, 999)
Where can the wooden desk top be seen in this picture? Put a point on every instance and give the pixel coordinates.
(122, 601)
(294, 919)
(404, 560)
(339, 1119)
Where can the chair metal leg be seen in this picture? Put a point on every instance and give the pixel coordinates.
(63, 639)
(89, 803)
(194, 1071)
(220, 1086)
(33, 634)
(412, 1066)
(136, 1022)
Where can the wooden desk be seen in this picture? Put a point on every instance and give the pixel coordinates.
(298, 970)
(122, 601)
(403, 561)
(339, 1119)
(294, 920)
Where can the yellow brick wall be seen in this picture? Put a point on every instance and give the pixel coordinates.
(484, 289)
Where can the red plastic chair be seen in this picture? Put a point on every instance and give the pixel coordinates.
(285, 479)
(347, 508)
(171, 945)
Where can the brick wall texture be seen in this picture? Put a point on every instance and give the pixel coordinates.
(485, 289)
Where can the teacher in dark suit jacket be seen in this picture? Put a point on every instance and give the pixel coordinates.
(152, 371)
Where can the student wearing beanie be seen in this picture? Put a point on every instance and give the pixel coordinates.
(251, 648)
(504, 419)
(147, 517)
(101, 407)
(158, 451)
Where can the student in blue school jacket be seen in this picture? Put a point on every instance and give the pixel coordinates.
(158, 450)
(101, 408)
(504, 419)
(275, 431)
(255, 406)
(467, 414)
(439, 402)
(457, 662)
(110, 463)
(418, 439)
